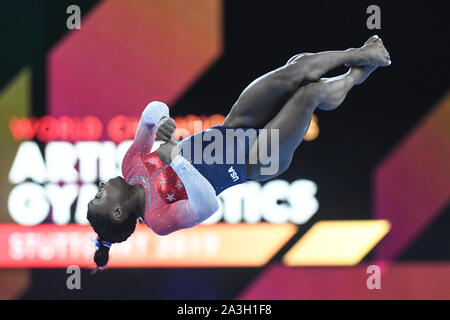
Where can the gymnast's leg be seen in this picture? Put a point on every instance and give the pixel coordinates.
(293, 120)
(265, 96)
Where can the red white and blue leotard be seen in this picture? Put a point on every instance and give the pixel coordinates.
(177, 196)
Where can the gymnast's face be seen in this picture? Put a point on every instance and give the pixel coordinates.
(110, 196)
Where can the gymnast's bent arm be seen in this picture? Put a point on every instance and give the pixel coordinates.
(202, 202)
(148, 125)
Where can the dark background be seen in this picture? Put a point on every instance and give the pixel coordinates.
(258, 37)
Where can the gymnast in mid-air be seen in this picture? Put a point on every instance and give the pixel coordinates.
(169, 191)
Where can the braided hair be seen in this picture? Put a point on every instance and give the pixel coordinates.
(102, 254)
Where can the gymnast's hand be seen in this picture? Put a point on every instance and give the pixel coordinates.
(166, 128)
(168, 151)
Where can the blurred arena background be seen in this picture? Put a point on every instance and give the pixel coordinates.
(369, 186)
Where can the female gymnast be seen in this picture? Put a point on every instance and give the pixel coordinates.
(169, 191)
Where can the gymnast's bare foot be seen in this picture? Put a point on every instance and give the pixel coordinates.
(374, 53)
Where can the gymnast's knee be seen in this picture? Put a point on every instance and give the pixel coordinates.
(299, 56)
(304, 62)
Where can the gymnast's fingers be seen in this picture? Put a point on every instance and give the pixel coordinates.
(170, 123)
(165, 131)
(164, 135)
